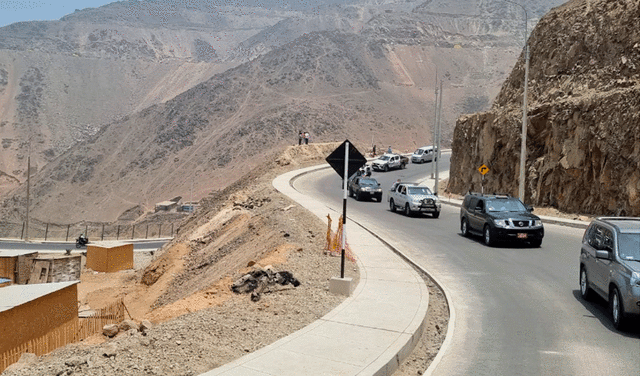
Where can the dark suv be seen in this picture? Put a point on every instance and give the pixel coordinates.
(500, 217)
(610, 265)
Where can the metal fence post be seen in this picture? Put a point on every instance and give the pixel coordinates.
(146, 235)
(67, 238)
(133, 231)
(86, 230)
(160, 230)
(46, 232)
(118, 233)
(171, 230)
(102, 236)
(22, 233)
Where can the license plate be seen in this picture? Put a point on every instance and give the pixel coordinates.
(522, 236)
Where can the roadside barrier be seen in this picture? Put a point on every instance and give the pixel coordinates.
(94, 231)
(334, 241)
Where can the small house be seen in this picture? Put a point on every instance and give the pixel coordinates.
(37, 319)
(55, 268)
(166, 206)
(15, 265)
(109, 257)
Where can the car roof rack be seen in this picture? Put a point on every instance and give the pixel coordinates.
(492, 195)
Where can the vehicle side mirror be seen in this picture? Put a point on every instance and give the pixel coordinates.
(602, 254)
(529, 208)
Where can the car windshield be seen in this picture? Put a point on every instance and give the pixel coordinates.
(419, 151)
(629, 246)
(384, 158)
(501, 205)
(419, 191)
(368, 182)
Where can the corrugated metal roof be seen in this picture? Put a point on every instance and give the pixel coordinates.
(16, 295)
(16, 252)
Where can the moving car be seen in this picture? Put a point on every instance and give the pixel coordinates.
(388, 162)
(500, 218)
(413, 198)
(610, 265)
(423, 154)
(362, 187)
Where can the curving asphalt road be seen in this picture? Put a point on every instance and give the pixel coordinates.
(517, 310)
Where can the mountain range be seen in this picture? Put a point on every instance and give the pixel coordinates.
(136, 102)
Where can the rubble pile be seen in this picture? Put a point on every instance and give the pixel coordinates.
(259, 280)
(583, 138)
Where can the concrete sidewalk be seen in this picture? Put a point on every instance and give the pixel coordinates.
(370, 333)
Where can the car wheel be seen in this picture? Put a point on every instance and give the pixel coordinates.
(488, 236)
(407, 210)
(358, 197)
(617, 309)
(464, 228)
(386, 168)
(435, 214)
(536, 243)
(379, 198)
(392, 206)
(585, 290)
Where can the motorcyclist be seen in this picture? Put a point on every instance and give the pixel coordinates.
(82, 240)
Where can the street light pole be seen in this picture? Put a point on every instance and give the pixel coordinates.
(435, 122)
(523, 143)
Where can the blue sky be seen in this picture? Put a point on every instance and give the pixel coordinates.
(36, 10)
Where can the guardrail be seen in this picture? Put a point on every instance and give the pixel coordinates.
(69, 232)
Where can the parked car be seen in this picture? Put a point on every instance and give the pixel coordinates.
(423, 154)
(413, 198)
(610, 265)
(388, 162)
(499, 218)
(362, 187)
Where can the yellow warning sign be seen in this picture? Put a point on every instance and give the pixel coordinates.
(483, 169)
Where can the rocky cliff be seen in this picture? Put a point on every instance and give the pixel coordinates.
(583, 138)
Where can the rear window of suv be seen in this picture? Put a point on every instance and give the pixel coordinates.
(502, 205)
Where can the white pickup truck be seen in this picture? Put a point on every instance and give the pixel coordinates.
(388, 162)
(412, 198)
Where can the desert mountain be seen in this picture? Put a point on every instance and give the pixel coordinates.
(372, 82)
(583, 140)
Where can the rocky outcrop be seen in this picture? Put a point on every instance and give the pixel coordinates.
(583, 138)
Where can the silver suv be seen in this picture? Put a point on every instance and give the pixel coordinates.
(610, 265)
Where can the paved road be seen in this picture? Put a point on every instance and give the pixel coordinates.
(139, 245)
(518, 310)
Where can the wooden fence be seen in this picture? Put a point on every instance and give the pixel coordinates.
(73, 331)
(93, 324)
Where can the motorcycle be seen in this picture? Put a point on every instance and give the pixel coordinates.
(82, 241)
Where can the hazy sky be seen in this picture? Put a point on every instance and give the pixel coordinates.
(36, 10)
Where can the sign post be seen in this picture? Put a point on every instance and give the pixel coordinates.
(345, 160)
(483, 170)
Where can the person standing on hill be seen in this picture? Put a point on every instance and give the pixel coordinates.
(306, 138)
(299, 137)
(389, 151)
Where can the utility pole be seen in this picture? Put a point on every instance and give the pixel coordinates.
(523, 143)
(436, 153)
(26, 229)
(435, 121)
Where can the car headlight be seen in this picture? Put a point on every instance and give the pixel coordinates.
(537, 223)
(366, 189)
(502, 223)
(635, 279)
